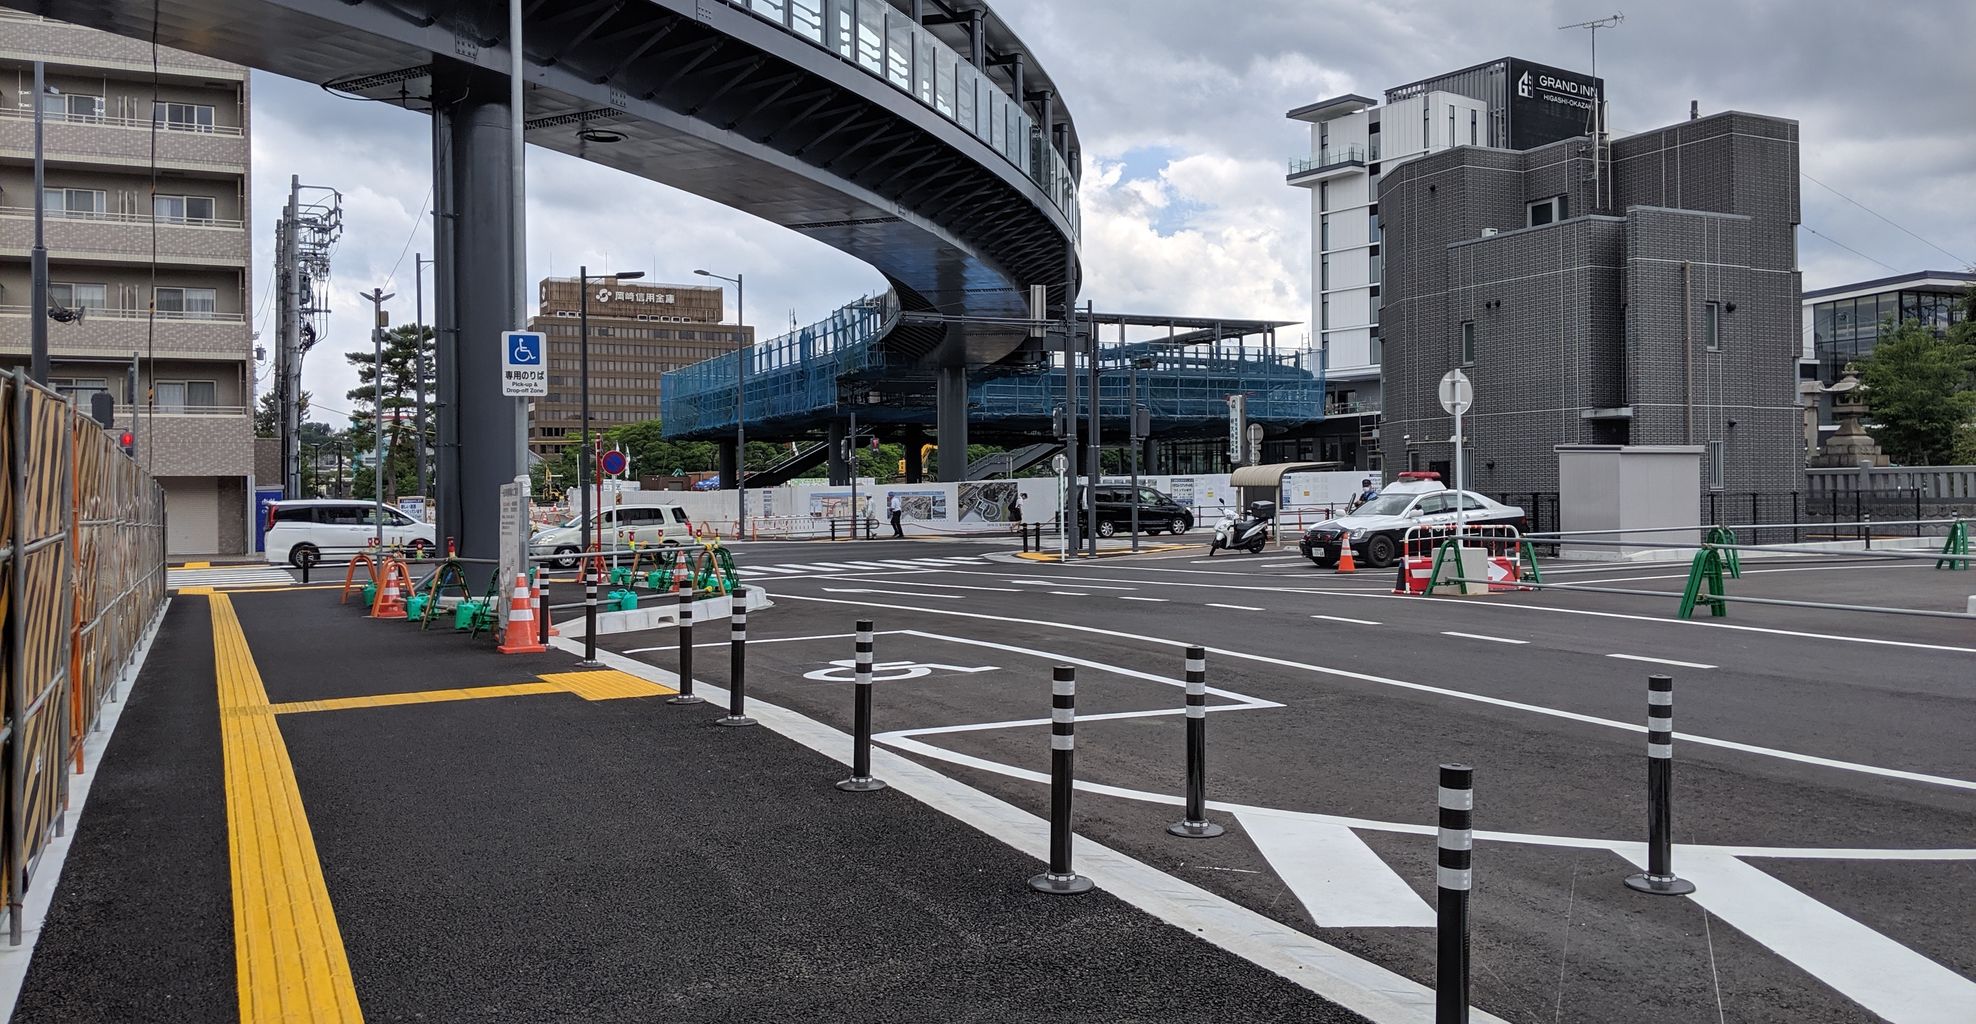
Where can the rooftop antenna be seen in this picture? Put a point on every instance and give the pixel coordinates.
(1597, 117)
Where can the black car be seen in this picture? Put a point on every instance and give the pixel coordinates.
(1158, 513)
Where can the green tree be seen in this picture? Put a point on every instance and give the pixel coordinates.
(1919, 388)
(267, 416)
(407, 351)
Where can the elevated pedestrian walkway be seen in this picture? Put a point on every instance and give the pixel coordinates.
(305, 814)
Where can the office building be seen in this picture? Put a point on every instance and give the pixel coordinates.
(1644, 292)
(638, 331)
(1844, 322)
(146, 194)
(1503, 104)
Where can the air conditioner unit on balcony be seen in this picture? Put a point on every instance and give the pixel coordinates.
(1488, 232)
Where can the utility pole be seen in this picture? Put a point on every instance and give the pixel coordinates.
(418, 362)
(377, 298)
(517, 199)
(1095, 460)
(37, 314)
(288, 350)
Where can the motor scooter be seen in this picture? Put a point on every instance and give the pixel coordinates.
(1250, 531)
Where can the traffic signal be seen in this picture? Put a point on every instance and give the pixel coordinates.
(128, 442)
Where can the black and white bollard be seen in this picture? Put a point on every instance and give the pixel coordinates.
(1195, 825)
(1659, 878)
(861, 780)
(589, 614)
(737, 684)
(685, 694)
(1061, 879)
(542, 611)
(1453, 878)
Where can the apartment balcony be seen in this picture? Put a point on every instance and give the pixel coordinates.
(193, 440)
(26, 37)
(123, 143)
(127, 238)
(1330, 163)
(116, 333)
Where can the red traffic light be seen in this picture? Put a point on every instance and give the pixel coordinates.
(128, 440)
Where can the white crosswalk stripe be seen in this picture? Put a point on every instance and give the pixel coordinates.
(231, 576)
(885, 564)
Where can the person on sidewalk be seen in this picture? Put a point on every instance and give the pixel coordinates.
(897, 510)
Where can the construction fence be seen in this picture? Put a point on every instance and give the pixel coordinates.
(82, 551)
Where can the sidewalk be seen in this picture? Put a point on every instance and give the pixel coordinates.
(482, 838)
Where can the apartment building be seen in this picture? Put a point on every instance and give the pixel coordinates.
(146, 225)
(1506, 103)
(638, 331)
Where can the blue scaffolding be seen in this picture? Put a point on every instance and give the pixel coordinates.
(790, 378)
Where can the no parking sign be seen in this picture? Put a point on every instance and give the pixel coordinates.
(612, 463)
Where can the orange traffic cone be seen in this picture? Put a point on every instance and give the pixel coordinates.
(390, 596)
(521, 637)
(1345, 563)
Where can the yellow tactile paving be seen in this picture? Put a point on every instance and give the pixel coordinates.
(291, 965)
(606, 684)
(385, 700)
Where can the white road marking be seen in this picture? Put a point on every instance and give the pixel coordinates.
(1479, 636)
(1068, 593)
(1865, 966)
(1338, 879)
(1072, 580)
(856, 578)
(1152, 600)
(1210, 867)
(1341, 618)
(894, 593)
(1535, 709)
(1245, 699)
(763, 640)
(1237, 607)
(1916, 564)
(767, 568)
(1661, 661)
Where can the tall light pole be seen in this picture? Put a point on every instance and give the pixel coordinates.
(586, 459)
(377, 298)
(740, 399)
(38, 257)
(418, 361)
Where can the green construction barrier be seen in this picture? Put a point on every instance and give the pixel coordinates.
(1957, 544)
(1731, 561)
(1704, 585)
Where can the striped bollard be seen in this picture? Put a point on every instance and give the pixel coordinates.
(541, 603)
(1453, 878)
(1659, 878)
(589, 614)
(1195, 825)
(861, 780)
(685, 694)
(1061, 879)
(737, 684)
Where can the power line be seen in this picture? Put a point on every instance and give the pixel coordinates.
(1846, 247)
(1876, 213)
(388, 278)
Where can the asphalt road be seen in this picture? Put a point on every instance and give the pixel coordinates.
(1825, 785)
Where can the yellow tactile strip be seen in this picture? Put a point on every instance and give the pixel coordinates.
(291, 965)
(603, 684)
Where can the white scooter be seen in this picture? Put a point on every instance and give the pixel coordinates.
(1250, 531)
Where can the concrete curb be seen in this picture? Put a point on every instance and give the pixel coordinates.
(1151, 549)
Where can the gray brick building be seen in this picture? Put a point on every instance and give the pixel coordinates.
(1657, 307)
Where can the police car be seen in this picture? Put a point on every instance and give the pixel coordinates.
(1376, 528)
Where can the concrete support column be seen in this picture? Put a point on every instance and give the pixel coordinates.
(730, 467)
(915, 465)
(951, 424)
(473, 185)
(840, 467)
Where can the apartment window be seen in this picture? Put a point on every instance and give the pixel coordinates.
(1451, 124)
(1324, 273)
(1323, 233)
(1426, 127)
(1372, 226)
(72, 107)
(1378, 348)
(82, 389)
(1472, 120)
(1468, 343)
(1548, 211)
(186, 303)
(1324, 314)
(1323, 196)
(181, 395)
(1712, 326)
(1323, 136)
(1716, 472)
(183, 209)
(184, 117)
(74, 202)
(79, 296)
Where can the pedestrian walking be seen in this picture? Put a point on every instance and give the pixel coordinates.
(897, 510)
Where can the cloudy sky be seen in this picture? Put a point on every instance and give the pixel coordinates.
(1180, 105)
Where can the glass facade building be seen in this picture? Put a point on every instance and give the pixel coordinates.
(1843, 324)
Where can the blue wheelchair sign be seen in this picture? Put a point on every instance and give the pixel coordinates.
(523, 370)
(525, 349)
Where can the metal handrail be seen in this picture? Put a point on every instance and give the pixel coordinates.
(1556, 534)
(107, 313)
(217, 223)
(26, 112)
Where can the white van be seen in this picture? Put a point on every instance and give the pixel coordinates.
(307, 531)
(614, 528)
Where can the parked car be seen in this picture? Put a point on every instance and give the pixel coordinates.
(305, 531)
(615, 527)
(1158, 512)
(1376, 529)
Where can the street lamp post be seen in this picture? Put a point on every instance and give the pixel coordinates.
(740, 399)
(586, 460)
(38, 256)
(377, 298)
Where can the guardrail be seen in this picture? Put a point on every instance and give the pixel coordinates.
(126, 218)
(26, 112)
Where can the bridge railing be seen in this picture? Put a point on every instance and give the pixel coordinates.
(787, 376)
(82, 553)
(1175, 385)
